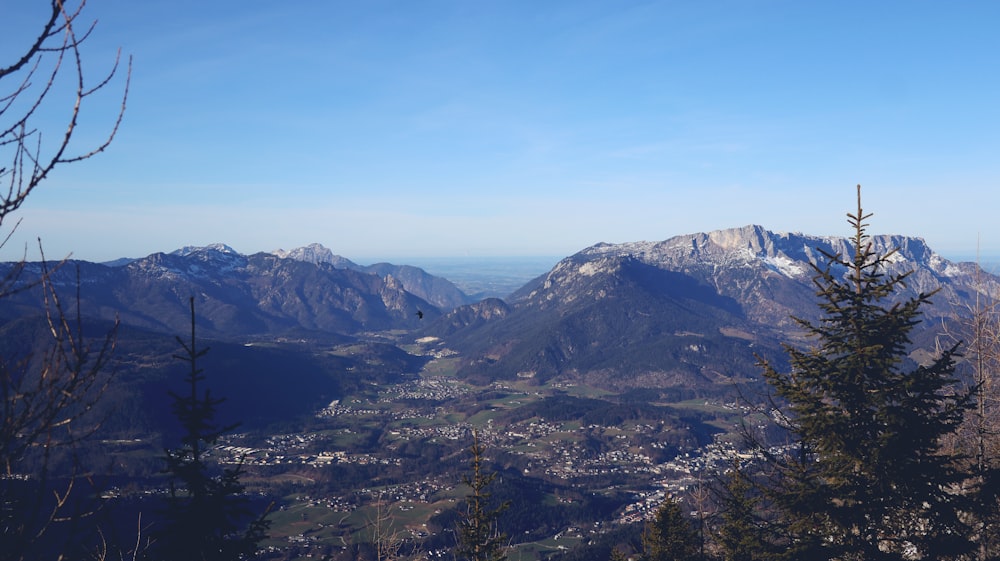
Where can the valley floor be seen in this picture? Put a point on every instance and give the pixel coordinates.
(570, 470)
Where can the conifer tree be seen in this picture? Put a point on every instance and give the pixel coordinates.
(868, 477)
(207, 517)
(618, 555)
(670, 536)
(479, 538)
(742, 534)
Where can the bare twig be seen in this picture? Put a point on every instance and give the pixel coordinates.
(46, 392)
(31, 161)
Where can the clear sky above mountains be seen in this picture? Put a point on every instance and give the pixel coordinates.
(394, 129)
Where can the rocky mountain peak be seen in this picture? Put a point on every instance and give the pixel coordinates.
(435, 290)
(210, 248)
(753, 238)
(214, 258)
(690, 310)
(315, 253)
(768, 274)
(788, 254)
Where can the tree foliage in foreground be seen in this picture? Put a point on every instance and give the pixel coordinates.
(670, 536)
(741, 533)
(207, 516)
(479, 537)
(868, 477)
(979, 437)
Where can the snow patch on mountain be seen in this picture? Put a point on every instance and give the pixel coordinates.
(946, 268)
(192, 249)
(741, 251)
(785, 265)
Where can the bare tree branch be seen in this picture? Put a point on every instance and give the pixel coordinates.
(37, 46)
(49, 388)
(28, 159)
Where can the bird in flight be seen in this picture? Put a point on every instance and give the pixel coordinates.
(420, 314)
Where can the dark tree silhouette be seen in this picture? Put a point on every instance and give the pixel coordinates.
(207, 516)
(670, 536)
(742, 534)
(479, 537)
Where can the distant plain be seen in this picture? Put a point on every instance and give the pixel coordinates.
(482, 277)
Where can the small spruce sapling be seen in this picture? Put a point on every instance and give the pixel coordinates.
(479, 538)
(207, 515)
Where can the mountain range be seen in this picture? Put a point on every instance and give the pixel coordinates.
(691, 313)
(302, 293)
(633, 363)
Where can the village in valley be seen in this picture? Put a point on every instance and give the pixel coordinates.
(410, 441)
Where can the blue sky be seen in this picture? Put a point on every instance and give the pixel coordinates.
(406, 129)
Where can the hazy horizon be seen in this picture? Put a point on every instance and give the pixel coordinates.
(513, 128)
(431, 260)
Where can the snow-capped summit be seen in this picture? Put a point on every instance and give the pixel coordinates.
(217, 247)
(315, 253)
